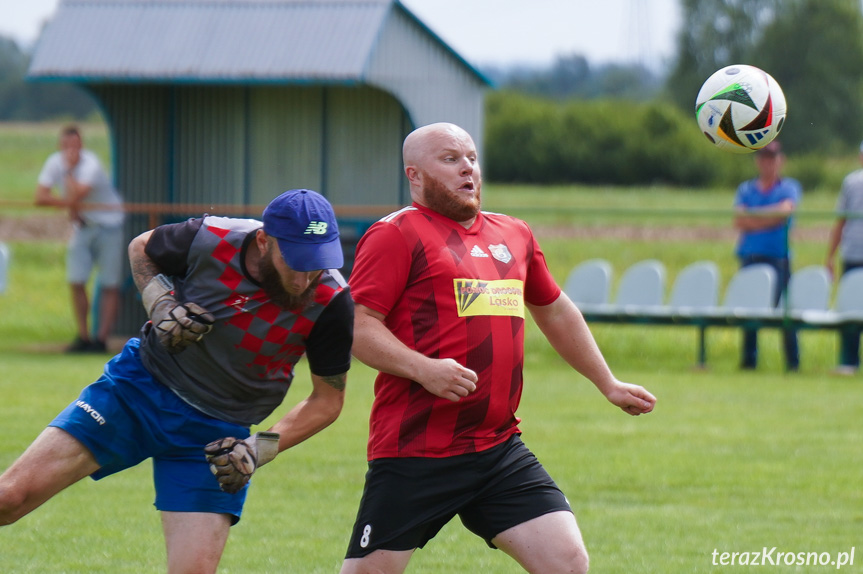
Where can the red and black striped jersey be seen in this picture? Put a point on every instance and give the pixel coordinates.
(450, 292)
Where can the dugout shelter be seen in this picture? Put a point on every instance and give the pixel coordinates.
(230, 102)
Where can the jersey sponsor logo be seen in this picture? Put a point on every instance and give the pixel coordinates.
(503, 297)
(91, 411)
(316, 228)
(500, 252)
(478, 252)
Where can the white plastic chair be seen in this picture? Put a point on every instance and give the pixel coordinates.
(848, 305)
(808, 290)
(694, 296)
(641, 289)
(695, 290)
(749, 294)
(589, 284)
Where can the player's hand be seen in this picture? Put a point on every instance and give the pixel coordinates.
(234, 461)
(632, 399)
(447, 379)
(178, 325)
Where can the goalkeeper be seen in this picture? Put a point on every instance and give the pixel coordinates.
(233, 305)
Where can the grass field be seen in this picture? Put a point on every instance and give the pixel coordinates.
(729, 461)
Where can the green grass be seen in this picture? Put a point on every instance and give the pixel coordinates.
(728, 461)
(597, 207)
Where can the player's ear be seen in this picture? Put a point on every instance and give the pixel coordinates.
(261, 240)
(413, 175)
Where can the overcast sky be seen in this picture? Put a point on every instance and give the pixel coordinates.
(495, 31)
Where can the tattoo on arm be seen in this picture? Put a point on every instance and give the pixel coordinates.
(143, 269)
(337, 382)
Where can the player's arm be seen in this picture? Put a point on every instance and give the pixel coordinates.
(234, 461)
(567, 331)
(376, 346)
(767, 217)
(177, 324)
(328, 351)
(144, 269)
(314, 413)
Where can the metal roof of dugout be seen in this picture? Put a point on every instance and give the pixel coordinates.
(219, 40)
(231, 102)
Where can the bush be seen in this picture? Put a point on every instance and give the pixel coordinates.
(616, 142)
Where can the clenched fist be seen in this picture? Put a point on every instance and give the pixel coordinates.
(177, 325)
(234, 461)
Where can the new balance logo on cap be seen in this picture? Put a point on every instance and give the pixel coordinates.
(478, 252)
(316, 228)
(305, 226)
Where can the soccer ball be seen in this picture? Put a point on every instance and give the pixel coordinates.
(740, 108)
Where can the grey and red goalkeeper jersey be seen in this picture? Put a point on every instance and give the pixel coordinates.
(241, 370)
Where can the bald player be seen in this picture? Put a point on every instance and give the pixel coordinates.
(441, 291)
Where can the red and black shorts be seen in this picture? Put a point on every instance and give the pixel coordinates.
(406, 501)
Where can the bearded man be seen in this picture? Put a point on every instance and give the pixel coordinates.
(233, 305)
(441, 289)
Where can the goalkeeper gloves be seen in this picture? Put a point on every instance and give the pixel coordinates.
(177, 325)
(234, 461)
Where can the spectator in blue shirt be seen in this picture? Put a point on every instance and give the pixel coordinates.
(764, 208)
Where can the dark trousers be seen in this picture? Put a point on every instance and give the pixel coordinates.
(849, 338)
(789, 336)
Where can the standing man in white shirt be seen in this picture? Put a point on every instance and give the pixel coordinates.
(96, 212)
(846, 236)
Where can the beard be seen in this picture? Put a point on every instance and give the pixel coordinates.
(271, 283)
(439, 198)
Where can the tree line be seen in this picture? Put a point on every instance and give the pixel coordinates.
(26, 101)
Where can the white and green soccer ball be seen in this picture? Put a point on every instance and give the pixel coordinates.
(740, 108)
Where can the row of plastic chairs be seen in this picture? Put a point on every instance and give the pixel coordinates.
(695, 293)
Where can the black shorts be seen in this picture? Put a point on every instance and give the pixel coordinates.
(406, 501)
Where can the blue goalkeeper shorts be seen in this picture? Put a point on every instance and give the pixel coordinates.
(127, 416)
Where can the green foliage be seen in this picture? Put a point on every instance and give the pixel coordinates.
(714, 35)
(813, 48)
(812, 172)
(535, 140)
(23, 101)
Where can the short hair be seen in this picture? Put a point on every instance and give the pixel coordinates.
(70, 130)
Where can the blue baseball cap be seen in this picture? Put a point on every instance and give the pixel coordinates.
(303, 223)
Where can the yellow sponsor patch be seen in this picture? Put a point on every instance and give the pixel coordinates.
(475, 297)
